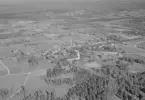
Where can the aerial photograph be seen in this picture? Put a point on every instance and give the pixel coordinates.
(72, 49)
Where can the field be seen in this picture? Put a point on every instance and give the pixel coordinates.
(141, 45)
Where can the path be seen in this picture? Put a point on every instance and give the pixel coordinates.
(28, 74)
(5, 67)
(20, 88)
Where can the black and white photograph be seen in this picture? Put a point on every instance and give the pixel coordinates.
(72, 49)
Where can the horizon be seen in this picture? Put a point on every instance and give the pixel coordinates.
(99, 5)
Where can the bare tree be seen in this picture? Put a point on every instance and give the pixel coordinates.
(23, 90)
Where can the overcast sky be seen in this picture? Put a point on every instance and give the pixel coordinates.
(27, 1)
(22, 1)
(29, 5)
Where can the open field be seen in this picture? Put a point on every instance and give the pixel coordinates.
(137, 68)
(141, 45)
(131, 49)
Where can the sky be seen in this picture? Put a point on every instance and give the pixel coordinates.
(28, 5)
(48, 1)
(26, 1)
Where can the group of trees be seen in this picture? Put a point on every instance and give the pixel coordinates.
(56, 71)
(136, 26)
(132, 60)
(4, 93)
(62, 66)
(21, 56)
(102, 47)
(40, 95)
(93, 88)
(140, 45)
(115, 80)
(114, 38)
(32, 60)
(134, 32)
(71, 53)
(60, 81)
(109, 48)
(127, 88)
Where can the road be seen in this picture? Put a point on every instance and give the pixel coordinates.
(27, 77)
(8, 71)
(29, 73)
